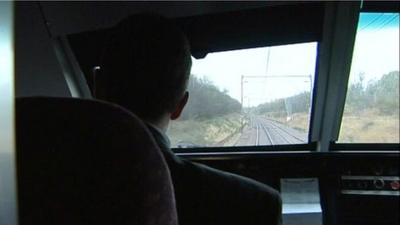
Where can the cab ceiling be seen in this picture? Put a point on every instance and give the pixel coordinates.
(74, 17)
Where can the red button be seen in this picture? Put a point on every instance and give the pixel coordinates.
(395, 185)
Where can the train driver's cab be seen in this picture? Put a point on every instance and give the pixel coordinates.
(301, 96)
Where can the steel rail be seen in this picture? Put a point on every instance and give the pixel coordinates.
(267, 133)
(285, 131)
(258, 134)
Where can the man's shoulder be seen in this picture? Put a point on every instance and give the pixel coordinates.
(241, 200)
(227, 181)
(195, 176)
(217, 197)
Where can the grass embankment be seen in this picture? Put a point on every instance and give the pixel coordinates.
(369, 127)
(366, 127)
(206, 132)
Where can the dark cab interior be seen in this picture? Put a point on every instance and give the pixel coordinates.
(58, 44)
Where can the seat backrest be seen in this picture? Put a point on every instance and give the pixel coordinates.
(89, 162)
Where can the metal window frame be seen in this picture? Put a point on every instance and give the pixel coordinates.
(334, 57)
(73, 74)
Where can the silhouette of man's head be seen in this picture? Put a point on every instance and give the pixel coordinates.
(145, 66)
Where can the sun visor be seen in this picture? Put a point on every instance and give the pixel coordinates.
(267, 26)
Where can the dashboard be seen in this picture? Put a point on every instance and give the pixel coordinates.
(354, 188)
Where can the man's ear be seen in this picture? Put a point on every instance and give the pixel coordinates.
(179, 108)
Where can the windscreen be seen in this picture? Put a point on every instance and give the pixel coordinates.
(371, 113)
(248, 97)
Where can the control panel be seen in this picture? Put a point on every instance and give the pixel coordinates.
(370, 185)
(368, 191)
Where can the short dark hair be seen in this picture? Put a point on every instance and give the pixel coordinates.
(145, 66)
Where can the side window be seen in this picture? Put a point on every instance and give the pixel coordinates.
(8, 195)
(249, 97)
(371, 113)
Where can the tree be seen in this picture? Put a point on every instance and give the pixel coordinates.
(356, 99)
(387, 93)
(280, 107)
(382, 94)
(207, 101)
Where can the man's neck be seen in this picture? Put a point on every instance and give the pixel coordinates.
(162, 124)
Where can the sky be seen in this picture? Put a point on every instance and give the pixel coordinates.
(376, 52)
(225, 69)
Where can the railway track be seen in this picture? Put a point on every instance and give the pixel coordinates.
(286, 131)
(270, 133)
(264, 130)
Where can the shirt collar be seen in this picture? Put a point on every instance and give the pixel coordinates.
(160, 135)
